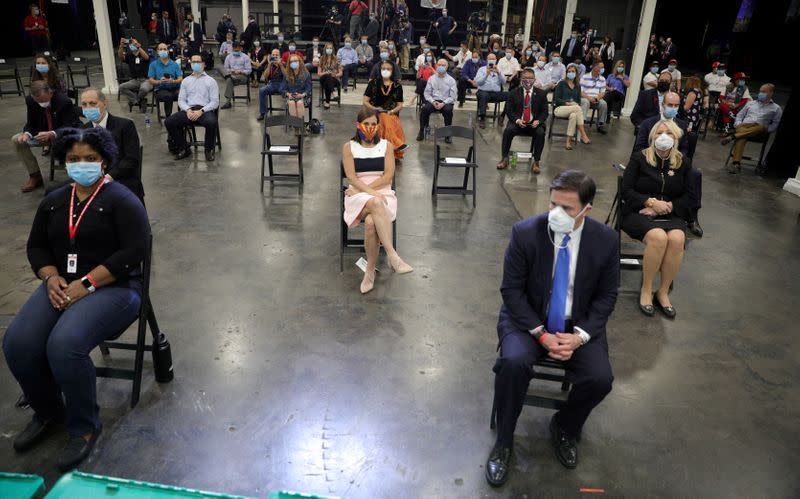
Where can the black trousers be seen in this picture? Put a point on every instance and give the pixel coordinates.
(695, 190)
(588, 370)
(512, 130)
(329, 84)
(615, 100)
(167, 96)
(177, 121)
(428, 109)
(484, 98)
(462, 87)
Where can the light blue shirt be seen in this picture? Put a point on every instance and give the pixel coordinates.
(199, 91)
(441, 88)
(347, 56)
(767, 114)
(488, 82)
(240, 63)
(557, 72)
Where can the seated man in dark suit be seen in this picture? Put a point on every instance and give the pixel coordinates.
(526, 109)
(556, 303)
(47, 112)
(670, 107)
(648, 103)
(126, 169)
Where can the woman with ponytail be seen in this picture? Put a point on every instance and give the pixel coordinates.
(368, 162)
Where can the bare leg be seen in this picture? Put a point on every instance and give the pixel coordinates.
(655, 246)
(383, 226)
(582, 130)
(372, 245)
(671, 264)
(301, 109)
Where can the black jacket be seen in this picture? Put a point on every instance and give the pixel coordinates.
(162, 35)
(528, 278)
(64, 114)
(640, 181)
(126, 170)
(250, 33)
(516, 102)
(646, 106)
(643, 135)
(577, 51)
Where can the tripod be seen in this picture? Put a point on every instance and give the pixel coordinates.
(435, 30)
(332, 31)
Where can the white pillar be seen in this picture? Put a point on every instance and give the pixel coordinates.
(103, 26)
(639, 54)
(504, 19)
(245, 14)
(196, 10)
(528, 20)
(274, 17)
(569, 16)
(296, 22)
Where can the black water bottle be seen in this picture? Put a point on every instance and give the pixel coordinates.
(162, 360)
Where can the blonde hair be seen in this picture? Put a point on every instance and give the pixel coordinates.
(675, 156)
(326, 59)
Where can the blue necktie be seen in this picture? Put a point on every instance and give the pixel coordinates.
(557, 315)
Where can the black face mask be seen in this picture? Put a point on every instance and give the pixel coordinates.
(663, 86)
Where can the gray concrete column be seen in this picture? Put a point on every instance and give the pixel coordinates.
(528, 20)
(504, 19)
(103, 27)
(639, 54)
(569, 16)
(274, 17)
(296, 21)
(245, 13)
(196, 10)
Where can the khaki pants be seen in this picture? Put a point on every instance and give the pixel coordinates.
(743, 132)
(575, 115)
(25, 155)
(404, 52)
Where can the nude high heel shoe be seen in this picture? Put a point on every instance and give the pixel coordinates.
(399, 266)
(368, 282)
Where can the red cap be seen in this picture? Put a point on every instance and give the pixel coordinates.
(714, 65)
(673, 61)
(740, 76)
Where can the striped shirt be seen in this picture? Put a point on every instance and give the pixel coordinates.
(592, 86)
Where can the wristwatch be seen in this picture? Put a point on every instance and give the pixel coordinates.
(88, 284)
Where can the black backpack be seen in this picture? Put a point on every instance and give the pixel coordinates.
(313, 126)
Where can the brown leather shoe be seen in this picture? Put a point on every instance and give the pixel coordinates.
(34, 182)
(503, 164)
(535, 168)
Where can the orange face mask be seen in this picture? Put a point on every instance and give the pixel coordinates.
(368, 133)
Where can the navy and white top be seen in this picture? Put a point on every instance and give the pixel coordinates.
(368, 159)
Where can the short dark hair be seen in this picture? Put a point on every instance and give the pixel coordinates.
(237, 44)
(575, 181)
(364, 113)
(98, 139)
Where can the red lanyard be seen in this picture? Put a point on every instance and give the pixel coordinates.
(73, 228)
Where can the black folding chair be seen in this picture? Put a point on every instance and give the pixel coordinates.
(146, 316)
(80, 68)
(346, 241)
(468, 163)
(10, 72)
(270, 149)
(191, 134)
(245, 97)
(627, 260)
(761, 139)
(335, 98)
(550, 127)
(555, 371)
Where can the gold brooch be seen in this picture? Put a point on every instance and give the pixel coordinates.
(671, 173)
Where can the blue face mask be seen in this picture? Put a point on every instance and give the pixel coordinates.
(236, 54)
(762, 97)
(292, 48)
(347, 45)
(720, 72)
(741, 83)
(654, 69)
(384, 55)
(133, 48)
(163, 54)
(85, 173)
(42, 68)
(602, 70)
(556, 60)
(294, 65)
(92, 114)
(670, 112)
(571, 75)
(441, 69)
(197, 67)
(509, 56)
(620, 69)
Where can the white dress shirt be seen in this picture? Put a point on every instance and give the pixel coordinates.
(102, 122)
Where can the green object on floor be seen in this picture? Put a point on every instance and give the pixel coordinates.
(19, 486)
(285, 494)
(87, 486)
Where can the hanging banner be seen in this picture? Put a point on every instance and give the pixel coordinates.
(433, 4)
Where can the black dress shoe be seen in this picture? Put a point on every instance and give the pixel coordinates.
(498, 465)
(260, 117)
(448, 140)
(227, 105)
(601, 128)
(564, 445)
(726, 141)
(183, 154)
(420, 137)
(209, 155)
(670, 312)
(695, 229)
(76, 450)
(34, 433)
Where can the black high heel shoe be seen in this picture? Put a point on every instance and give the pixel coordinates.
(648, 310)
(669, 312)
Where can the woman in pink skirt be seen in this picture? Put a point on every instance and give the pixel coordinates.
(369, 165)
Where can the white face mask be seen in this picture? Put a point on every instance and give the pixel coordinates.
(540, 64)
(44, 104)
(386, 73)
(560, 222)
(664, 142)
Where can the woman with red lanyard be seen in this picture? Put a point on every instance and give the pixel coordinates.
(86, 245)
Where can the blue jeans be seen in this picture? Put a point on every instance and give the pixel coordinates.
(48, 351)
(348, 70)
(268, 89)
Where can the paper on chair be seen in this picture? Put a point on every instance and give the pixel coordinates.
(280, 148)
(460, 161)
(362, 264)
(629, 261)
(524, 155)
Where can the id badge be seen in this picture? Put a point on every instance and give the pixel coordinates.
(138, 60)
(72, 263)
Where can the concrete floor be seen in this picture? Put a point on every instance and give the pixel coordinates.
(287, 378)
